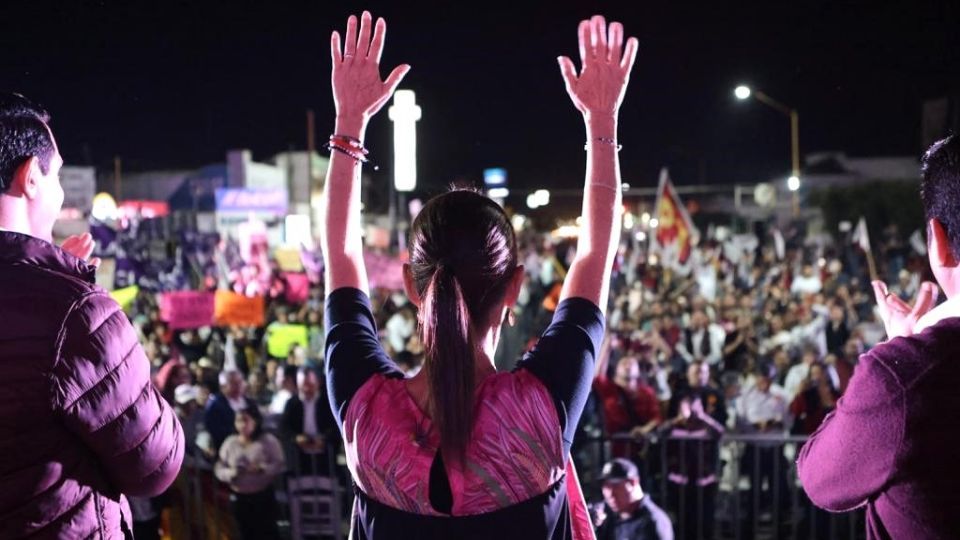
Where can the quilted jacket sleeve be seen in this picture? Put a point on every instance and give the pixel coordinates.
(104, 395)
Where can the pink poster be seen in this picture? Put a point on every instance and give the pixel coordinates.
(298, 287)
(384, 271)
(187, 309)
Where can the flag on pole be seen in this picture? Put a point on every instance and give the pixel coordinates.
(673, 238)
(860, 235)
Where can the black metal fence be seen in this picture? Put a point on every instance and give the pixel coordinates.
(732, 487)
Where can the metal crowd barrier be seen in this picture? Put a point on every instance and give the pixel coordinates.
(312, 503)
(754, 492)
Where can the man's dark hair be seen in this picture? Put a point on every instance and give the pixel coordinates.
(23, 134)
(940, 187)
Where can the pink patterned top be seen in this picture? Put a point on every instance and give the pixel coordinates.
(515, 452)
(517, 480)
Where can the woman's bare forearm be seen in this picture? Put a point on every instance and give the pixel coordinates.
(589, 275)
(340, 237)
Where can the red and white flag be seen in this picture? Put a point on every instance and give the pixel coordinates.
(674, 235)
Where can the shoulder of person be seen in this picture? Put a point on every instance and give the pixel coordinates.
(908, 359)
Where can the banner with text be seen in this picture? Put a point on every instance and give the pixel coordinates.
(232, 308)
(187, 309)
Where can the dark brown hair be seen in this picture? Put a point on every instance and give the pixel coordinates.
(463, 252)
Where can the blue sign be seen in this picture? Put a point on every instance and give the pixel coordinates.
(273, 200)
(495, 177)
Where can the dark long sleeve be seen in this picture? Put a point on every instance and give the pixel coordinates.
(853, 453)
(564, 357)
(353, 351)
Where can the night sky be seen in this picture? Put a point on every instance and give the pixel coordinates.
(176, 86)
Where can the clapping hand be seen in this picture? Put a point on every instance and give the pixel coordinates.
(358, 91)
(899, 318)
(81, 246)
(605, 68)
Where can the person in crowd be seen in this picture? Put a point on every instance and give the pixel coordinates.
(703, 340)
(494, 446)
(837, 330)
(190, 413)
(814, 401)
(309, 424)
(763, 411)
(806, 282)
(740, 344)
(697, 418)
(219, 415)
(249, 462)
(257, 388)
(778, 336)
(629, 404)
(172, 374)
(629, 512)
(891, 442)
(400, 328)
(286, 388)
(798, 374)
(83, 426)
(191, 346)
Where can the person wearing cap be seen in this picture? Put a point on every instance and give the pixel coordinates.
(630, 514)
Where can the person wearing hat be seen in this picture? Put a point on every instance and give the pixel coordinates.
(629, 514)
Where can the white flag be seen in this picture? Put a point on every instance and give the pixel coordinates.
(860, 235)
(917, 242)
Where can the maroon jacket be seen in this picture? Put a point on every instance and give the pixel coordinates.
(80, 421)
(893, 440)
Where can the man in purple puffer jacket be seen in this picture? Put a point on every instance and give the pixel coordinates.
(80, 422)
(892, 442)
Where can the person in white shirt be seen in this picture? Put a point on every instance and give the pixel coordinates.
(763, 410)
(703, 340)
(763, 407)
(798, 373)
(399, 329)
(808, 282)
(286, 384)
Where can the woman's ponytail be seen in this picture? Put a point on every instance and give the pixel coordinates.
(450, 357)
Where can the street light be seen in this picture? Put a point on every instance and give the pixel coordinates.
(744, 92)
(793, 183)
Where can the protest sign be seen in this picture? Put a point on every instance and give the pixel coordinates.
(384, 271)
(232, 308)
(125, 296)
(298, 287)
(187, 309)
(281, 337)
(288, 259)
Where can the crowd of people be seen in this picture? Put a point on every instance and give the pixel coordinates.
(768, 351)
(754, 339)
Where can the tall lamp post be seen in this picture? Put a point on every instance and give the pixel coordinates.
(793, 183)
